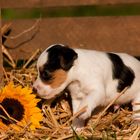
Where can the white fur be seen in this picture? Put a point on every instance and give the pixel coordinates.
(90, 82)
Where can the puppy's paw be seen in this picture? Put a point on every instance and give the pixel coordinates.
(136, 118)
(85, 115)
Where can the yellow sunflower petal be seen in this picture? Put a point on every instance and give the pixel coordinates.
(23, 105)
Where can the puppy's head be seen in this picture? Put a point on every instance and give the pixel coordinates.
(53, 66)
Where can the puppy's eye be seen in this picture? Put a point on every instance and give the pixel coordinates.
(45, 75)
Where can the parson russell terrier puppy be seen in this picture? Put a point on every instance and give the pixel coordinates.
(93, 78)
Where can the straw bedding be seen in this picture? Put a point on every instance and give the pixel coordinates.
(58, 116)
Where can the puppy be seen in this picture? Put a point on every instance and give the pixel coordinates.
(93, 78)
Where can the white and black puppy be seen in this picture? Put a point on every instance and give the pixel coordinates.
(93, 78)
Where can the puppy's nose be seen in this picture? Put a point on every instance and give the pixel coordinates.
(34, 90)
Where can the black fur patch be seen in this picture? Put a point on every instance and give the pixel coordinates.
(137, 57)
(45, 75)
(123, 73)
(59, 57)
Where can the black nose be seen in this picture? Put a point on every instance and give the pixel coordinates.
(34, 90)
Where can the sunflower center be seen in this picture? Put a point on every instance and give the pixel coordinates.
(14, 108)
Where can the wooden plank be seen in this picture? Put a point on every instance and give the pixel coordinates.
(117, 34)
(85, 2)
(19, 4)
(1, 58)
(47, 3)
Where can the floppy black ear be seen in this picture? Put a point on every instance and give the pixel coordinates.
(67, 58)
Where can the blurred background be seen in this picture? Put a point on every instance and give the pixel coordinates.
(106, 25)
(72, 11)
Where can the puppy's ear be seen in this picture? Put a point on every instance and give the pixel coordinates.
(67, 58)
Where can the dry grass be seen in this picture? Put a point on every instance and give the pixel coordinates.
(56, 124)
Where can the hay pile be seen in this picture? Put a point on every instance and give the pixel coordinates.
(56, 123)
(58, 116)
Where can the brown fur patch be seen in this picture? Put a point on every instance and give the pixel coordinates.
(59, 77)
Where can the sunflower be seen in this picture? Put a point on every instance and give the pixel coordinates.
(18, 108)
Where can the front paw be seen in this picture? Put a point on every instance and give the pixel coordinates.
(136, 118)
(85, 115)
